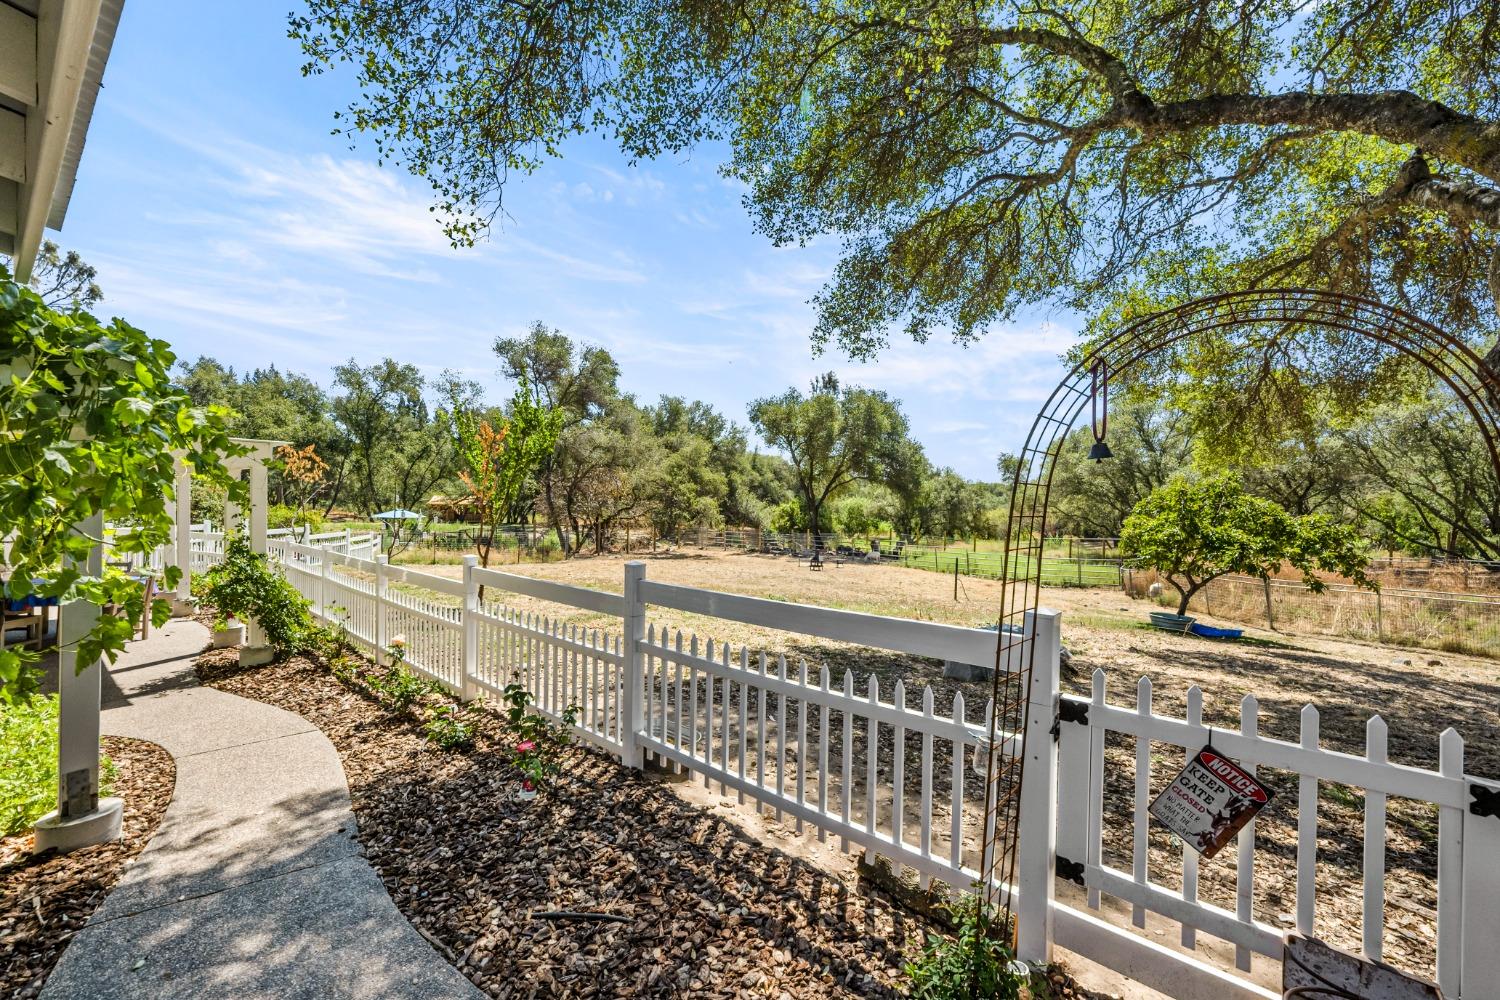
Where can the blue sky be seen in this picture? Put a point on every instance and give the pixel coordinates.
(225, 219)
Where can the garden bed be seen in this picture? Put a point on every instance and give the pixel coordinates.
(703, 908)
(45, 900)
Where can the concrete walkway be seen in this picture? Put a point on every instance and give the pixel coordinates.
(254, 885)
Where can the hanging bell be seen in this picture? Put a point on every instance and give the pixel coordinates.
(1100, 451)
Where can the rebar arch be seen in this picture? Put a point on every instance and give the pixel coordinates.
(1449, 359)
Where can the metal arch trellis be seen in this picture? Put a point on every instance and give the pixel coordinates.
(1452, 361)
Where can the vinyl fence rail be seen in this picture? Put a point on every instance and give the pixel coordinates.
(894, 775)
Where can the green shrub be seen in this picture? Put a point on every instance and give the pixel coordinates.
(28, 764)
(975, 963)
(449, 727)
(282, 516)
(538, 751)
(245, 586)
(400, 689)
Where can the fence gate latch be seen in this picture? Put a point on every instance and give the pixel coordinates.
(1069, 710)
(1486, 801)
(1070, 870)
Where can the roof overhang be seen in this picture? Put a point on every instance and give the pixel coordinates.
(52, 58)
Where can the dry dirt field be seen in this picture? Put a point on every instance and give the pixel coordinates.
(1418, 692)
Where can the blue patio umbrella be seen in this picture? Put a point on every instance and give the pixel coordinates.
(399, 514)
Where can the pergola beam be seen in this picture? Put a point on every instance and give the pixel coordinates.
(12, 146)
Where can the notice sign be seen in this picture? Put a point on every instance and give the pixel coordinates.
(1209, 801)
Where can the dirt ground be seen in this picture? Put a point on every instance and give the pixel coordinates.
(1419, 693)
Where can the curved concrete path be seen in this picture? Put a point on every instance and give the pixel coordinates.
(254, 885)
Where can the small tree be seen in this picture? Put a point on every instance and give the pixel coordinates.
(305, 470)
(835, 437)
(1194, 531)
(498, 462)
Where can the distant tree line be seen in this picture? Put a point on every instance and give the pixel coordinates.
(1411, 476)
(391, 438)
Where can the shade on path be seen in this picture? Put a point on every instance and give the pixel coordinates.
(254, 886)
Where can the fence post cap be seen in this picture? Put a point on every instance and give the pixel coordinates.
(470, 560)
(382, 558)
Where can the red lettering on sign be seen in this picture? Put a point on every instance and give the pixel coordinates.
(1230, 773)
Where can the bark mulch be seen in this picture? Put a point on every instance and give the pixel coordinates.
(46, 899)
(703, 909)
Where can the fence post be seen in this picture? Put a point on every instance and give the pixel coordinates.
(382, 619)
(324, 588)
(468, 690)
(1037, 821)
(346, 542)
(1480, 894)
(634, 632)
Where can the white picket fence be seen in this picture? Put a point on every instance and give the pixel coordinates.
(823, 751)
(1466, 952)
(739, 718)
(207, 545)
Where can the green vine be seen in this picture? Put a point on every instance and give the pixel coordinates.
(90, 426)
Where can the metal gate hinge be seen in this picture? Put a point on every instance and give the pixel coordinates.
(1486, 801)
(1069, 710)
(1072, 871)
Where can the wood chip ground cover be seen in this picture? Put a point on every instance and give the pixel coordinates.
(709, 911)
(45, 900)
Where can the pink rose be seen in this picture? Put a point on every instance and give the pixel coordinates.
(525, 746)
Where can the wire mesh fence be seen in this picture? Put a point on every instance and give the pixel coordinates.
(1453, 622)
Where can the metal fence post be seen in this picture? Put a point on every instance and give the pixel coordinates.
(468, 690)
(1037, 822)
(633, 630)
(382, 619)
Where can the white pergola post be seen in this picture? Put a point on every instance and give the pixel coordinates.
(81, 817)
(182, 539)
(256, 650)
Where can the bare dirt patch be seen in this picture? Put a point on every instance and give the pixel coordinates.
(46, 899)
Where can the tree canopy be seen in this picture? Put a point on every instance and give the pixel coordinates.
(1113, 155)
(834, 436)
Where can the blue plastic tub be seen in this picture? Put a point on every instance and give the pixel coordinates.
(1209, 632)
